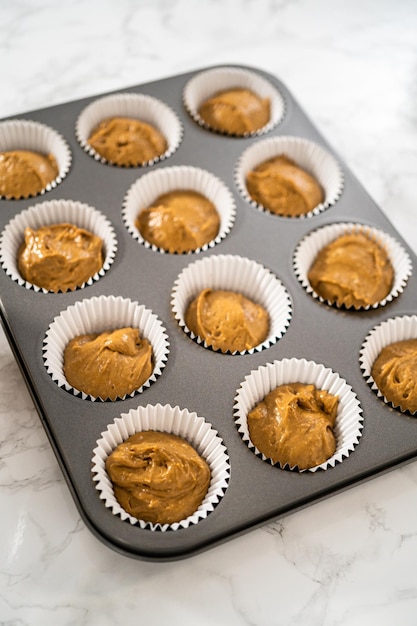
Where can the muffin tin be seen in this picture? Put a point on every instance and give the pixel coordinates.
(194, 377)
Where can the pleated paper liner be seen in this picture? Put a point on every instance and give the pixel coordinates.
(97, 315)
(207, 83)
(307, 154)
(55, 212)
(313, 242)
(241, 275)
(400, 328)
(137, 106)
(37, 137)
(181, 422)
(349, 421)
(150, 186)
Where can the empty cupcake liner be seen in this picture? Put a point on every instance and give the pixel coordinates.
(137, 106)
(312, 243)
(349, 421)
(390, 331)
(239, 274)
(308, 155)
(55, 212)
(147, 188)
(97, 315)
(181, 422)
(37, 137)
(206, 84)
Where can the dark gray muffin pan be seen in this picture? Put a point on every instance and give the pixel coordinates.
(194, 377)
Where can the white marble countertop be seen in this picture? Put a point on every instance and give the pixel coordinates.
(349, 560)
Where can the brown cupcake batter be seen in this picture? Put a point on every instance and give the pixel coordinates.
(158, 477)
(24, 173)
(283, 187)
(127, 141)
(59, 257)
(353, 270)
(235, 111)
(395, 373)
(227, 321)
(293, 425)
(109, 365)
(179, 221)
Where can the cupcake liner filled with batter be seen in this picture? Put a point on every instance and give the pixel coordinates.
(384, 268)
(230, 275)
(129, 130)
(163, 419)
(233, 101)
(289, 176)
(114, 319)
(158, 220)
(66, 261)
(391, 348)
(348, 424)
(34, 158)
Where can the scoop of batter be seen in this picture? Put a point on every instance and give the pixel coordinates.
(179, 221)
(353, 270)
(127, 141)
(395, 373)
(236, 111)
(227, 321)
(24, 173)
(108, 365)
(59, 257)
(283, 187)
(158, 477)
(293, 425)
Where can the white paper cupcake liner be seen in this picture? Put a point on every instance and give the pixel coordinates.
(239, 274)
(137, 106)
(311, 244)
(390, 331)
(37, 137)
(55, 212)
(205, 84)
(199, 433)
(147, 188)
(97, 315)
(308, 155)
(349, 421)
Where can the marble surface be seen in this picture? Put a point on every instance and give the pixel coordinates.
(349, 560)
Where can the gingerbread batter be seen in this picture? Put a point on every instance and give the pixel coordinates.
(293, 425)
(108, 365)
(227, 321)
(236, 111)
(127, 141)
(352, 271)
(24, 173)
(59, 257)
(284, 188)
(158, 477)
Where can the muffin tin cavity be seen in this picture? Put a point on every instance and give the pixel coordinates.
(349, 420)
(96, 316)
(315, 241)
(30, 135)
(239, 275)
(181, 422)
(262, 256)
(306, 154)
(390, 331)
(140, 107)
(48, 213)
(146, 189)
(209, 83)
